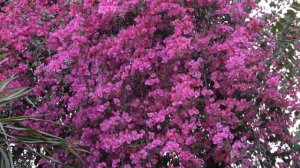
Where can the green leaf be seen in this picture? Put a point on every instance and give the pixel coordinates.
(2, 61)
(273, 29)
(291, 13)
(4, 55)
(13, 119)
(72, 151)
(4, 159)
(295, 5)
(81, 149)
(29, 136)
(14, 93)
(7, 144)
(279, 26)
(4, 83)
(44, 156)
(10, 91)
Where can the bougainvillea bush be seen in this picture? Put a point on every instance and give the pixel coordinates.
(152, 83)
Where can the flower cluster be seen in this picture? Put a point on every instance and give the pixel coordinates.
(149, 83)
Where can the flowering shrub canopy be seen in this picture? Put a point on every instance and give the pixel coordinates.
(151, 83)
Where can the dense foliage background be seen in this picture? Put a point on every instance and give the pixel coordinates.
(156, 83)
